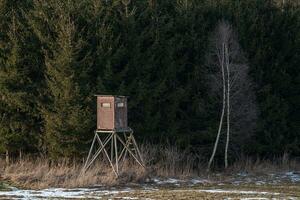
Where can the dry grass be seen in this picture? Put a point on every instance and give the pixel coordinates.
(39, 173)
(161, 161)
(170, 161)
(263, 166)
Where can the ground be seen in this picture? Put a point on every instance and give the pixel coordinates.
(284, 185)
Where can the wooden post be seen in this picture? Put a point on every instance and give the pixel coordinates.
(86, 163)
(106, 154)
(116, 153)
(112, 150)
(137, 149)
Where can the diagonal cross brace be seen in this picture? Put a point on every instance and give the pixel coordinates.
(88, 163)
(130, 152)
(114, 158)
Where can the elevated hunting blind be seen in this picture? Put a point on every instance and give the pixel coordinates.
(113, 138)
(111, 112)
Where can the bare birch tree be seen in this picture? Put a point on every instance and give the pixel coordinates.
(228, 105)
(241, 105)
(218, 53)
(236, 86)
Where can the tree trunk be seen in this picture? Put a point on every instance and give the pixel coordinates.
(222, 114)
(20, 155)
(7, 157)
(228, 105)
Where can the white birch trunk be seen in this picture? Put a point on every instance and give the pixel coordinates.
(222, 114)
(228, 105)
(238, 97)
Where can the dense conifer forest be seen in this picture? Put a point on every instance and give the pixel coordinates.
(55, 55)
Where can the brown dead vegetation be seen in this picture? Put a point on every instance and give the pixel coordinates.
(161, 161)
(259, 165)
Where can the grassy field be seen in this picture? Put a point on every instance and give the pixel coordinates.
(164, 192)
(38, 178)
(40, 173)
(217, 192)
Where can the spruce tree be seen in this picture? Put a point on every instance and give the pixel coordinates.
(66, 110)
(19, 80)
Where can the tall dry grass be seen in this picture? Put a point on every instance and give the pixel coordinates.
(170, 161)
(40, 173)
(265, 165)
(161, 161)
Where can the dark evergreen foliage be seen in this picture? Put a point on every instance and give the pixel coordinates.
(55, 55)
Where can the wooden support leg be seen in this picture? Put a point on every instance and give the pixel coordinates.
(116, 153)
(124, 150)
(137, 148)
(105, 152)
(127, 138)
(90, 152)
(102, 146)
(131, 153)
(112, 150)
(129, 147)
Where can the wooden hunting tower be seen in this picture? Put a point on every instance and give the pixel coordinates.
(111, 112)
(113, 137)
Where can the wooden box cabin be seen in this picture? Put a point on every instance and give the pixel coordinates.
(111, 113)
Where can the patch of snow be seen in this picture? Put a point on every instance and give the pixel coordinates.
(178, 182)
(254, 198)
(236, 192)
(237, 182)
(77, 193)
(126, 197)
(243, 174)
(260, 183)
(198, 181)
(34, 194)
(294, 177)
(156, 180)
(171, 180)
(167, 181)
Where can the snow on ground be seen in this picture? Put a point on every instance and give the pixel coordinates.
(77, 193)
(239, 179)
(94, 193)
(155, 185)
(254, 198)
(293, 176)
(270, 179)
(178, 182)
(263, 198)
(237, 192)
(167, 181)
